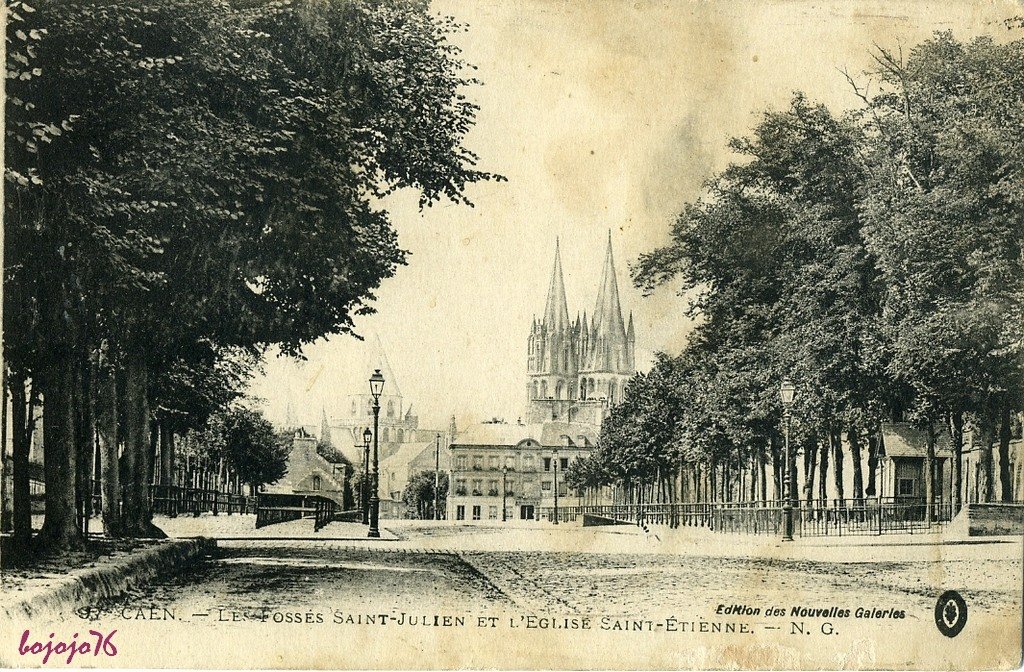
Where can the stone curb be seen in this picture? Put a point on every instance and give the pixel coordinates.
(82, 588)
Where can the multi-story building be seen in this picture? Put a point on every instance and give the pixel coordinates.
(502, 471)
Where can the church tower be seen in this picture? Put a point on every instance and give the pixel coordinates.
(577, 368)
(608, 356)
(552, 355)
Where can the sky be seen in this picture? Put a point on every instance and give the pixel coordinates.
(604, 116)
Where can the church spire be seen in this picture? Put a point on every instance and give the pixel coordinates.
(608, 312)
(556, 310)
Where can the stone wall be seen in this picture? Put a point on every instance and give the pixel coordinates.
(987, 520)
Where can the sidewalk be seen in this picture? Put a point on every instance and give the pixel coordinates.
(243, 528)
(64, 583)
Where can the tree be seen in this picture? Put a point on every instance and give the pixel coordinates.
(418, 495)
(248, 442)
(186, 174)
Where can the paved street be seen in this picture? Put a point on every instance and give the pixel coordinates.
(474, 570)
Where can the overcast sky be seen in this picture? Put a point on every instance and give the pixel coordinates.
(603, 115)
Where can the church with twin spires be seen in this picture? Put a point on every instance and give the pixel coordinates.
(578, 368)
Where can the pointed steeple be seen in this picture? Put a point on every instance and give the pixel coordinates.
(325, 430)
(556, 309)
(608, 312)
(630, 332)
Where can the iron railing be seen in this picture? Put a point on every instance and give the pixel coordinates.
(867, 516)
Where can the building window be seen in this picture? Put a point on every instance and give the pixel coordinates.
(460, 512)
(492, 512)
(316, 482)
(476, 513)
(547, 464)
(544, 389)
(492, 463)
(492, 488)
(391, 409)
(460, 487)
(905, 487)
(478, 463)
(510, 462)
(527, 462)
(545, 486)
(401, 436)
(460, 462)
(563, 463)
(478, 487)
(353, 407)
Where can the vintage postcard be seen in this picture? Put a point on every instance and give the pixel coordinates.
(513, 334)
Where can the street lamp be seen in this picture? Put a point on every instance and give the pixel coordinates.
(504, 493)
(437, 476)
(556, 486)
(787, 391)
(376, 387)
(364, 500)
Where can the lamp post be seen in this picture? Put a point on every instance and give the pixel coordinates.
(787, 391)
(376, 387)
(504, 493)
(556, 485)
(364, 499)
(437, 476)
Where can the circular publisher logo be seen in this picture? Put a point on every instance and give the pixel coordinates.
(951, 613)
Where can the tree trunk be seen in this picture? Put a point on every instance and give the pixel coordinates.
(106, 434)
(823, 451)
(60, 526)
(988, 475)
(810, 456)
(22, 420)
(957, 435)
(86, 438)
(872, 462)
(929, 474)
(138, 515)
(836, 438)
(1005, 490)
(853, 438)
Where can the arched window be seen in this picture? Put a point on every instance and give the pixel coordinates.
(544, 389)
(391, 408)
(558, 389)
(353, 407)
(316, 482)
(583, 389)
(401, 435)
(535, 388)
(590, 387)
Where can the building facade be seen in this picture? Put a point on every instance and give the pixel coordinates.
(502, 471)
(577, 368)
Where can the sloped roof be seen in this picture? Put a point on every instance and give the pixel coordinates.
(303, 463)
(546, 434)
(902, 440)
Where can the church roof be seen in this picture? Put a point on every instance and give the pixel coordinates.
(545, 433)
(556, 309)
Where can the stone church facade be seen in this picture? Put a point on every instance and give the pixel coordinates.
(578, 368)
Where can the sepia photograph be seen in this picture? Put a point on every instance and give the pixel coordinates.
(512, 334)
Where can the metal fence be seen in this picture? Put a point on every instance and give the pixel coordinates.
(272, 508)
(868, 516)
(871, 517)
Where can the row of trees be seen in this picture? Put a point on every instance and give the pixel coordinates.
(876, 258)
(188, 183)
